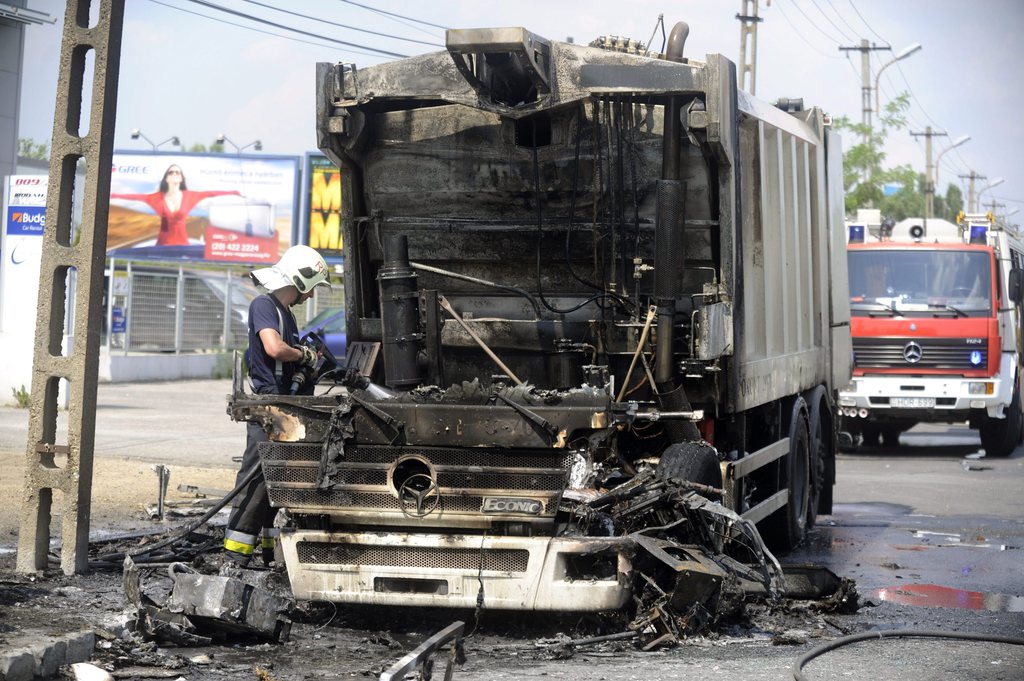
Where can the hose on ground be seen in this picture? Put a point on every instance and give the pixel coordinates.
(247, 478)
(895, 633)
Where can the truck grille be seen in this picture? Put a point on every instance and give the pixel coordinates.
(464, 478)
(324, 553)
(935, 353)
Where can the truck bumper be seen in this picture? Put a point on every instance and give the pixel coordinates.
(434, 570)
(952, 398)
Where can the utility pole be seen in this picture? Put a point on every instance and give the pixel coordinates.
(929, 173)
(748, 32)
(865, 48)
(972, 198)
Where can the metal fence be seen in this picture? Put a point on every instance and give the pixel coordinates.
(171, 308)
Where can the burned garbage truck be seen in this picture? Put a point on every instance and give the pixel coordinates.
(597, 303)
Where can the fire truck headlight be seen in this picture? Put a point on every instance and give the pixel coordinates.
(980, 388)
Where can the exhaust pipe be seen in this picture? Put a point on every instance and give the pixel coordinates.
(400, 314)
(669, 226)
(670, 260)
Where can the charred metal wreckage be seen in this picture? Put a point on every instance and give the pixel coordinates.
(592, 299)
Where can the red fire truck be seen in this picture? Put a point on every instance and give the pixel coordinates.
(936, 327)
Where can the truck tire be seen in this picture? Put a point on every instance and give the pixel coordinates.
(784, 529)
(870, 432)
(822, 455)
(891, 436)
(1000, 437)
(693, 461)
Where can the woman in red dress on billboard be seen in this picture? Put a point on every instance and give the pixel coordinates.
(173, 202)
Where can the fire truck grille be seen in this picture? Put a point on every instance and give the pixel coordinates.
(929, 353)
(323, 553)
(369, 479)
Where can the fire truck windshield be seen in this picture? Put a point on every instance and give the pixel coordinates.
(920, 283)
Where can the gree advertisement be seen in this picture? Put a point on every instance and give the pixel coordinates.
(323, 205)
(215, 207)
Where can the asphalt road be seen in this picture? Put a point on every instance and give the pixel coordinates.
(173, 422)
(933, 537)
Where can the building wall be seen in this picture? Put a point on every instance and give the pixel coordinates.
(12, 44)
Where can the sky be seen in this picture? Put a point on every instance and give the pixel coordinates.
(192, 70)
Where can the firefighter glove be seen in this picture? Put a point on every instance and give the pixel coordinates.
(309, 356)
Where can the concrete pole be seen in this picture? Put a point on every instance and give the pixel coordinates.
(85, 255)
(865, 77)
(929, 181)
(748, 33)
(929, 175)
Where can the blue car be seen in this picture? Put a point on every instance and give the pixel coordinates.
(330, 325)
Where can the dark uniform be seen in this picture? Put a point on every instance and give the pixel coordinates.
(251, 512)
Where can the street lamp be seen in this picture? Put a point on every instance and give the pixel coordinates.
(906, 52)
(255, 144)
(173, 139)
(959, 140)
(994, 183)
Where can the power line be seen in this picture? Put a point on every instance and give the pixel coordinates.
(888, 94)
(392, 14)
(829, 19)
(333, 23)
(803, 37)
(853, 68)
(259, 30)
(250, 17)
(811, 22)
(911, 91)
(864, 21)
(841, 17)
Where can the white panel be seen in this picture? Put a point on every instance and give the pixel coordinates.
(773, 246)
(752, 160)
(806, 285)
(791, 296)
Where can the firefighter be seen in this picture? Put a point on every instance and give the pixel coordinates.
(274, 356)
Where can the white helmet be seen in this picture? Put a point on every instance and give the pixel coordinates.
(300, 266)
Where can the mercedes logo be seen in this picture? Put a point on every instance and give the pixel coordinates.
(419, 495)
(912, 352)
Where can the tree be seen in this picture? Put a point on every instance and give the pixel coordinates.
(864, 175)
(949, 206)
(200, 148)
(908, 200)
(29, 148)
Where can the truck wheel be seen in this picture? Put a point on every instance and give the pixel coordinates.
(693, 461)
(822, 453)
(1000, 437)
(785, 528)
(870, 433)
(891, 436)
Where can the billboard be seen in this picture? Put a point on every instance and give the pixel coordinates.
(215, 207)
(26, 205)
(323, 205)
(24, 218)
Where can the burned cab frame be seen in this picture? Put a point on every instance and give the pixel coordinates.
(591, 301)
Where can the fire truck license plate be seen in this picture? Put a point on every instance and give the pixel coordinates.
(913, 402)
